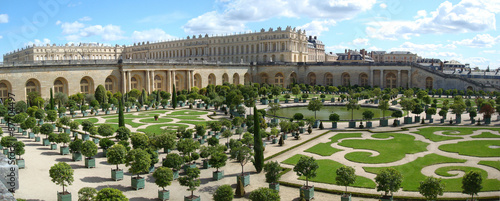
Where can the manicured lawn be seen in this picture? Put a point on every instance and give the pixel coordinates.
(326, 172)
(194, 122)
(494, 164)
(412, 174)
(93, 120)
(486, 135)
(185, 117)
(152, 120)
(325, 149)
(456, 184)
(114, 126)
(188, 112)
(428, 133)
(127, 121)
(157, 128)
(389, 150)
(480, 148)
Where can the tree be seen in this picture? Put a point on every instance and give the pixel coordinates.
(368, 115)
(223, 193)
(487, 110)
(89, 149)
(383, 105)
(105, 130)
(258, 146)
(187, 146)
(242, 154)
(352, 105)
(431, 187)
(63, 138)
(122, 133)
(307, 167)
(8, 141)
(346, 176)
(407, 105)
(116, 155)
(273, 108)
(174, 97)
(19, 148)
(315, 105)
(264, 194)
(191, 180)
(87, 194)
(139, 141)
(61, 174)
(174, 161)
(389, 180)
(51, 103)
(121, 117)
(471, 183)
(51, 115)
(76, 145)
(110, 194)
(163, 177)
(86, 125)
(100, 95)
(139, 161)
(217, 160)
(272, 170)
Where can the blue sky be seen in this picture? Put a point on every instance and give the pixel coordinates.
(463, 30)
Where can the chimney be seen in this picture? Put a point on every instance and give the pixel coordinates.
(345, 51)
(310, 37)
(315, 38)
(349, 55)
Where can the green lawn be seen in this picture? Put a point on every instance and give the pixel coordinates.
(456, 184)
(114, 126)
(480, 148)
(93, 120)
(494, 164)
(326, 172)
(185, 117)
(194, 122)
(188, 112)
(325, 149)
(389, 150)
(157, 128)
(428, 133)
(127, 121)
(152, 120)
(486, 135)
(412, 174)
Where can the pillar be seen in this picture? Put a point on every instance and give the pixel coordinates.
(152, 81)
(124, 83)
(148, 81)
(169, 81)
(188, 84)
(381, 79)
(409, 78)
(128, 81)
(399, 79)
(371, 78)
(173, 79)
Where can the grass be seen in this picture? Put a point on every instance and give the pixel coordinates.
(326, 172)
(188, 112)
(480, 148)
(157, 128)
(389, 150)
(185, 117)
(428, 133)
(456, 184)
(493, 164)
(486, 135)
(325, 149)
(114, 126)
(127, 121)
(194, 122)
(152, 120)
(412, 174)
(93, 120)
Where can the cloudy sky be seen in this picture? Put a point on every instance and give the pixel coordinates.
(464, 30)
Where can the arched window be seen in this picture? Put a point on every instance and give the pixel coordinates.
(225, 78)
(4, 91)
(134, 83)
(236, 79)
(312, 79)
(108, 84)
(197, 80)
(390, 80)
(264, 78)
(247, 78)
(346, 79)
(211, 79)
(279, 80)
(31, 87)
(158, 83)
(429, 83)
(58, 86)
(329, 79)
(293, 78)
(363, 80)
(84, 86)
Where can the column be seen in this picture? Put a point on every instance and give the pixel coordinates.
(192, 78)
(399, 79)
(409, 79)
(381, 79)
(371, 78)
(124, 83)
(128, 81)
(153, 81)
(173, 80)
(169, 82)
(188, 74)
(148, 81)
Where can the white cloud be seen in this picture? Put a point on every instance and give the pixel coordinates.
(236, 13)
(75, 31)
(4, 18)
(316, 27)
(480, 40)
(86, 18)
(151, 35)
(466, 16)
(336, 48)
(71, 28)
(360, 42)
(383, 5)
(491, 51)
(1, 37)
(38, 42)
(58, 22)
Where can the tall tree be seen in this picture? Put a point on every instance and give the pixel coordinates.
(100, 95)
(345, 176)
(258, 147)
(431, 187)
(471, 183)
(389, 180)
(51, 99)
(121, 117)
(174, 97)
(315, 106)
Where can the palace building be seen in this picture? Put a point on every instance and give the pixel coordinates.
(276, 57)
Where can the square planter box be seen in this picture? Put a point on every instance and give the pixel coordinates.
(332, 100)
(316, 124)
(194, 198)
(428, 116)
(473, 121)
(64, 150)
(334, 124)
(75, 133)
(151, 169)
(20, 163)
(386, 198)
(37, 139)
(307, 192)
(202, 141)
(345, 197)
(25, 133)
(417, 119)
(76, 156)
(96, 140)
(407, 120)
(45, 142)
(176, 174)
(285, 136)
(90, 162)
(67, 130)
(59, 129)
(286, 101)
(274, 141)
(368, 124)
(441, 120)
(31, 135)
(302, 130)
(185, 167)
(458, 119)
(206, 164)
(85, 137)
(487, 120)
(276, 100)
(305, 100)
(397, 122)
(218, 175)
(295, 100)
(53, 146)
(245, 177)
(138, 183)
(274, 186)
(63, 197)
(165, 150)
(163, 195)
(383, 122)
(117, 174)
(352, 124)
